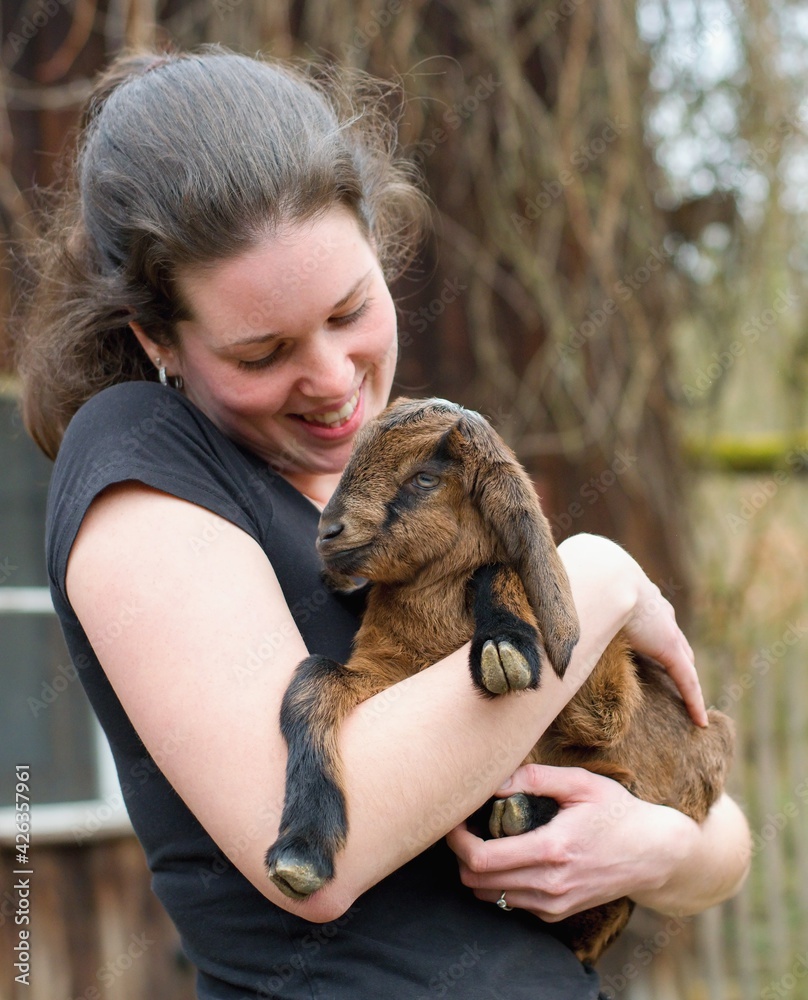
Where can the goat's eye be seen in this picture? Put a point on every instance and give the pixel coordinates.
(425, 480)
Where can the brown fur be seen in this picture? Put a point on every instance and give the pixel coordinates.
(421, 547)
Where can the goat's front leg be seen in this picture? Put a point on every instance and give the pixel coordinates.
(505, 649)
(314, 823)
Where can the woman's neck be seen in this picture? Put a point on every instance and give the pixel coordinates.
(316, 488)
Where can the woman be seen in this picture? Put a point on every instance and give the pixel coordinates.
(230, 234)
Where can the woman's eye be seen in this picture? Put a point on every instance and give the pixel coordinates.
(352, 317)
(270, 359)
(425, 481)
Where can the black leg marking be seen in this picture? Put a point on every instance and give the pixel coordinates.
(313, 823)
(504, 649)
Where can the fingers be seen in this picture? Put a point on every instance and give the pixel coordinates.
(678, 659)
(687, 681)
(564, 866)
(542, 882)
(564, 784)
(653, 630)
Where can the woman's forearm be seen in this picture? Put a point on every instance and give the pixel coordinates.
(420, 757)
(706, 864)
(409, 784)
(463, 745)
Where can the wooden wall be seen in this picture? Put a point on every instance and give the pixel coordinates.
(97, 930)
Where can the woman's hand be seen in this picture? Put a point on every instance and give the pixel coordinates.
(603, 844)
(602, 567)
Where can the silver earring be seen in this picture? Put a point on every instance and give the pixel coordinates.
(164, 379)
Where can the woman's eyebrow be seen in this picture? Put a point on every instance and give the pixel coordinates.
(262, 338)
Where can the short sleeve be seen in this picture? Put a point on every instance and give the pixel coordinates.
(144, 432)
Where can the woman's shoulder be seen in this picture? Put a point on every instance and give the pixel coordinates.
(146, 433)
(142, 425)
(133, 408)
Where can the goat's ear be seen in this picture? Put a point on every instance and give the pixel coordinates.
(505, 497)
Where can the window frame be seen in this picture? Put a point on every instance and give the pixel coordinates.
(93, 819)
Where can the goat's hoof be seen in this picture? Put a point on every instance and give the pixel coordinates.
(510, 816)
(295, 876)
(503, 668)
(520, 813)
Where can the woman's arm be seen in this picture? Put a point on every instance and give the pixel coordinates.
(187, 665)
(708, 865)
(605, 843)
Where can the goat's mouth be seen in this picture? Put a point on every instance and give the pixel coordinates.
(348, 561)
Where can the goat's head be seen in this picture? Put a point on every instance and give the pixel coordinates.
(431, 489)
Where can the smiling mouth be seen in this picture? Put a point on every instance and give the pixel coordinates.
(334, 418)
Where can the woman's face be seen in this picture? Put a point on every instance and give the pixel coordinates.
(292, 346)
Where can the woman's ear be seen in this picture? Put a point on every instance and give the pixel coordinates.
(159, 356)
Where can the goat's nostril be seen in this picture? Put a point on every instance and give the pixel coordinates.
(329, 531)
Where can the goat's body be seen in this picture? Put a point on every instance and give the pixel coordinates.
(627, 721)
(416, 627)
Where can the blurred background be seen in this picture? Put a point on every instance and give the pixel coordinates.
(617, 277)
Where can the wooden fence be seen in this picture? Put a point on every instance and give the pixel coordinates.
(751, 633)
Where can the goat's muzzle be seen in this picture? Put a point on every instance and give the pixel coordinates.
(329, 531)
(343, 559)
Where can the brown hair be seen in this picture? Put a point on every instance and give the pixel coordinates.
(187, 159)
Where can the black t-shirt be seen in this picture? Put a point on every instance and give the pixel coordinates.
(417, 934)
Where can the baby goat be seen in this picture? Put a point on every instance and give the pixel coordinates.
(436, 511)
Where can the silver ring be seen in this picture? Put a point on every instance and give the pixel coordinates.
(502, 903)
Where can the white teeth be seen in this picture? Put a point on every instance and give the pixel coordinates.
(332, 417)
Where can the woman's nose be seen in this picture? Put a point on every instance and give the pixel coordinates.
(328, 370)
